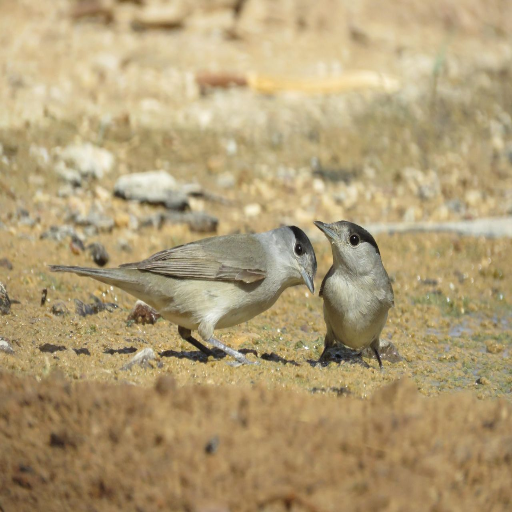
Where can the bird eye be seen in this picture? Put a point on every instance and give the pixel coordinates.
(298, 249)
(354, 240)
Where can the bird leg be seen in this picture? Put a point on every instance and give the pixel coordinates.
(230, 352)
(186, 334)
(377, 355)
(323, 357)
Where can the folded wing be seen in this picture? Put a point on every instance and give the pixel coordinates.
(226, 258)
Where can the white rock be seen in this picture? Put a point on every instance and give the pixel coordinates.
(141, 358)
(87, 159)
(252, 210)
(71, 176)
(155, 187)
(5, 346)
(231, 147)
(39, 154)
(226, 180)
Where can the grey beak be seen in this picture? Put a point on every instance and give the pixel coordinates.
(326, 230)
(307, 280)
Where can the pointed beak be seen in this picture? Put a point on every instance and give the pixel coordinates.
(326, 230)
(308, 280)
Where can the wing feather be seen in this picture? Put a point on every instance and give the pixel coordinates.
(226, 258)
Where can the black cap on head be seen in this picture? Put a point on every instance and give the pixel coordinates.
(302, 238)
(364, 235)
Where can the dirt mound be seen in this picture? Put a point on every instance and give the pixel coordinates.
(90, 446)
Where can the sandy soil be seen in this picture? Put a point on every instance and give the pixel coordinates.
(430, 432)
(94, 446)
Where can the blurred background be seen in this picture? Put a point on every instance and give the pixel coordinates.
(260, 112)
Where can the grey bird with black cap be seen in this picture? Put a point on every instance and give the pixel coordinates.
(216, 282)
(357, 291)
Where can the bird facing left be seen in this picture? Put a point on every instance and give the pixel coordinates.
(216, 282)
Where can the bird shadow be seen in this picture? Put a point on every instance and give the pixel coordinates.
(192, 355)
(339, 354)
(275, 358)
(198, 356)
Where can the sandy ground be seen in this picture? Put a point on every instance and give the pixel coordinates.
(430, 432)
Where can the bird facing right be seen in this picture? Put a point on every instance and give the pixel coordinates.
(357, 291)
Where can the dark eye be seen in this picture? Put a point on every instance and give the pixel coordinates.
(298, 249)
(354, 240)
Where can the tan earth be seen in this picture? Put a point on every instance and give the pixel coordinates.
(79, 431)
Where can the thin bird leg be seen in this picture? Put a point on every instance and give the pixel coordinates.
(324, 354)
(377, 355)
(230, 352)
(186, 334)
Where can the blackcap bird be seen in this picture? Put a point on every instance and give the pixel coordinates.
(216, 282)
(357, 291)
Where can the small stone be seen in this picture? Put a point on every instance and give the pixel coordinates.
(494, 347)
(95, 218)
(473, 198)
(5, 346)
(212, 445)
(482, 381)
(59, 233)
(87, 159)
(154, 187)
(252, 210)
(122, 220)
(39, 154)
(142, 359)
(5, 263)
(76, 245)
(201, 222)
(99, 254)
(59, 309)
(92, 309)
(143, 314)
(71, 176)
(162, 17)
(44, 295)
(226, 180)
(5, 302)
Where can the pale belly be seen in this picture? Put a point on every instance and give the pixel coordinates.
(218, 304)
(354, 323)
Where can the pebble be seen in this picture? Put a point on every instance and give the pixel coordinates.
(5, 346)
(40, 154)
(76, 245)
(70, 176)
(161, 17)
(92, 309)
(154, 187)
(5, 302)
(99, 254)
(59, 309)
(122, 220)
(5, 263)
(199, 222)
(143, 314)
(252, 210)
(142, 359)
(94, 218)
(59, 233)
(87, 159)
(226, 180)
